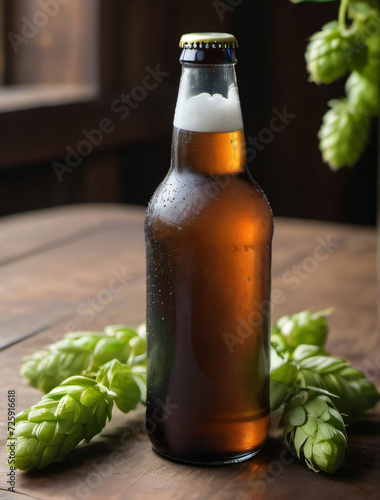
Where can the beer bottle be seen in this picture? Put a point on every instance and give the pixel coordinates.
(208, 236)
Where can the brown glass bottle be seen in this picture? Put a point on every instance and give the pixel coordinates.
(208, 241)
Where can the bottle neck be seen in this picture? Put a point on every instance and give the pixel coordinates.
(208, 127)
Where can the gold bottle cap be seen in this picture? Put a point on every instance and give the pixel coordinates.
(206, 40)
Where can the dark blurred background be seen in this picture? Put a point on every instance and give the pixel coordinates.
(65, 65)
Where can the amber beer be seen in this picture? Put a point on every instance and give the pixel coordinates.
(208, 241)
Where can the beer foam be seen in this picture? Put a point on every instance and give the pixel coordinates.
(209, 113)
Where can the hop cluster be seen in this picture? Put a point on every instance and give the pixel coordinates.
(78, 408)
(319, 392)
(330, 54)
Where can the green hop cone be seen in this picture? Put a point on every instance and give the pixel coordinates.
(363, 93)
(71, 413)
(363, 87)
(344, 134)
(70, 356)
(326, 54)
(300, 328)
(355, 394)
(83, 353)
(314, 431)
(361, 10)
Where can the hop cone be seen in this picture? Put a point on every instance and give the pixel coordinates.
(355, 393)
(73, 412)
(71, 356)
(314, 431)
(363, 87)
(325, 55)
(343, 136)
(82, 353)
(301, 328)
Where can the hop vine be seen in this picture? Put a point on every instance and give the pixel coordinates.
(348, 46)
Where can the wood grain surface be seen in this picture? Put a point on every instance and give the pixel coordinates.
(83, 267)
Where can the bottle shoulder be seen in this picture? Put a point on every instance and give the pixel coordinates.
(196, 202)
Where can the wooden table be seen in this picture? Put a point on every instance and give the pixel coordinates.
(58, 270)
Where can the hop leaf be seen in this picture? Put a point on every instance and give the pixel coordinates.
(282, 375)
(126, 386)
(71, 413)
(314, 431)
(304, 351)
(344, 135)
(325, 55)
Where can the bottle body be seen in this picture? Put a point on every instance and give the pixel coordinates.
(208, 247)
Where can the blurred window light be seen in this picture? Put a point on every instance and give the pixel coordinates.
(49, 51)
